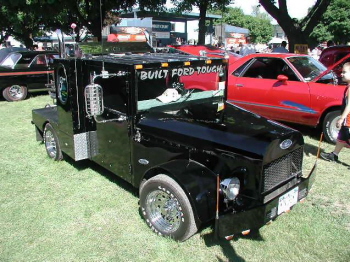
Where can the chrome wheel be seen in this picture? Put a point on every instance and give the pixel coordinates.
(333, 129)
(50, 144)
(164, 210)
(16, 92)
(330, 129)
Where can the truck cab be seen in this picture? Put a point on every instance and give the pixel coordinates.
(194, 157)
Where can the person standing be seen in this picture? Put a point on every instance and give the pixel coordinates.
(247, 49)
(343, 139)
(330, 43)
(281, 49)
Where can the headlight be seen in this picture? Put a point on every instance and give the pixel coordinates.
(230, 187)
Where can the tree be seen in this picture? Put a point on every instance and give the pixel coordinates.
(203, 6)
(25, 18)
(335, 23)
(259, 25)
(20, 19)
(297, 31)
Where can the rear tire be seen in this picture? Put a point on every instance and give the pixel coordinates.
(15, 93)
(166, 208)
(52, 144)
(329, 128)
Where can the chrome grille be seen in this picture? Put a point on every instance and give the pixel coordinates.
(282, 169)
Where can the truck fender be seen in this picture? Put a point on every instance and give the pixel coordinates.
(198, 182)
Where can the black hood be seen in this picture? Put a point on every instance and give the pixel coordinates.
(235, 130)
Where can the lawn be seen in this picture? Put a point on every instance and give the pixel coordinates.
(75, 211)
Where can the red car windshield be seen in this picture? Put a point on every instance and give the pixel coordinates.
(307, 66)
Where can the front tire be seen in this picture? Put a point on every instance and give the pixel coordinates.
(15, 93)
(166, 208)
(52, 144)
(329, 128)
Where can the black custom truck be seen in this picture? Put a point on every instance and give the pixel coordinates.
(194, 157)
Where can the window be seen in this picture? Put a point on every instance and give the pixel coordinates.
(308, 67)
(114, 93)
(39, 60)
(11, 60)
(268, 68)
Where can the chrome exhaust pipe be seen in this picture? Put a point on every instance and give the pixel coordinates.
(61, 44)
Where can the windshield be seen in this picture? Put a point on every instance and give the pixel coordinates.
(308, 67)
(174, 88)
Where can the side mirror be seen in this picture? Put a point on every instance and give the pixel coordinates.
(94, 100)
(282, 78)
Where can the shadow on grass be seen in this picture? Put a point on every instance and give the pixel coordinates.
(84, 164)
(228, 250)
(315, 133)
(311, 150)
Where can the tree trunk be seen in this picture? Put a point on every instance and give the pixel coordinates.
(96, 29)
(202, 29)
(295, 36)
(298, 32)
(25, 38)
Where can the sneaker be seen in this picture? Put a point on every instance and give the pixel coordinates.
(329, 156)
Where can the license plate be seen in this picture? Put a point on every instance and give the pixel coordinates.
(288, 200)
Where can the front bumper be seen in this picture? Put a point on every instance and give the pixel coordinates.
(235, 223)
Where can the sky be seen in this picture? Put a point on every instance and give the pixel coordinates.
(296, 9)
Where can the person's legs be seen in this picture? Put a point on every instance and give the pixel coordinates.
(342, 141)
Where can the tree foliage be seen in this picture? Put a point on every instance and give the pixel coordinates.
(259, 25)
(20, 18)
(335, 23)
(24, 19)
(297, 31)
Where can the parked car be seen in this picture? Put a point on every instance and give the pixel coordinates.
(333, 54)
(25, 71)
(205, 50)
(285, 87)
(194, 157)
(5, 51)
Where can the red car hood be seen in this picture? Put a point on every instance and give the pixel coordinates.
(207, 50)
(332, 67)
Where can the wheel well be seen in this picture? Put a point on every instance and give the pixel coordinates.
(156, 171)
(330, 109)
(199, 185)
(18, 84)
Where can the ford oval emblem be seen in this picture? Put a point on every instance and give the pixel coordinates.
(286, 144)
(143, 161)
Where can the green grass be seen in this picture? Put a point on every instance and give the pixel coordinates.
(75, 211)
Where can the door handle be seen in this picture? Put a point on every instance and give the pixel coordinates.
(239, 85)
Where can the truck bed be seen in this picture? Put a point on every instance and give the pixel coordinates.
(42, 115)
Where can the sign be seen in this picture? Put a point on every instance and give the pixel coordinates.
(161, 27)
(235, 35)
(301, 49)
(188, 71)
(162, 35)
(235, 41)
(127, 34)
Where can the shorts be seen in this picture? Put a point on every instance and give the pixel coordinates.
(344, 135)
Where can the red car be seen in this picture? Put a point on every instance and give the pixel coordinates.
(286, 87)
(205, 50)
(333, 54)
